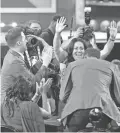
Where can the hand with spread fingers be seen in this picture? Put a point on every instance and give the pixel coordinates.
(60, 25)
(113, 30)
(43, 87)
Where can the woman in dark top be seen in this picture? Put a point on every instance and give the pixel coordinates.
(19, 111)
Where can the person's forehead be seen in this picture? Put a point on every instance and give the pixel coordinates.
(35, 25)
(22, 34)
(78, 44)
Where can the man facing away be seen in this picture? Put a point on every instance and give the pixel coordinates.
(14, 64)
(86, 85)
(49, 33)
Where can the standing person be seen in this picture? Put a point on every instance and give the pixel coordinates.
(61, 52)
(48, 34)
(35, 26)
(14, 64)
(86, 85)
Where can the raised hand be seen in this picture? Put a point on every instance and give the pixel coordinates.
(60, 25)
(79, 32)
(113, 30)
(47, 85)
(39, 88)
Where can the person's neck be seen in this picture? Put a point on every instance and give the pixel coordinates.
(92, 57)
(17, 50)
(52, 30)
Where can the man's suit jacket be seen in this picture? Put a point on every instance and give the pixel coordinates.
(14, 66)
(86, 84)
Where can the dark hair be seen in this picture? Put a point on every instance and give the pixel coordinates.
(28, 24)
(71, 47)
(91, 52)
(116, 62)
(13, 35)
(20, 90)
(56, 17)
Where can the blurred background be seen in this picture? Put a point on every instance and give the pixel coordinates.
(14, 12)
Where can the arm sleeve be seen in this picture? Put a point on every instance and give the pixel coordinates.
(67, 90)
(21, 69)
(60, 54)
(45, 36)
(116, 86)
(66, 85)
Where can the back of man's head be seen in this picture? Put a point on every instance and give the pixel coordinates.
(13, 36)
(91, 52)
(56, 17)
(116, 62)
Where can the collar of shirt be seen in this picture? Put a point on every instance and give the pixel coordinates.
(20, 54)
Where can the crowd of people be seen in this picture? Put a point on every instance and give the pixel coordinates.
(67, 79)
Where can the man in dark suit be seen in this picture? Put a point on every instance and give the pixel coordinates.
(86, 85)
(49, 33)
(14, 64)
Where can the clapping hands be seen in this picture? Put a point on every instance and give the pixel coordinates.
(43, 87)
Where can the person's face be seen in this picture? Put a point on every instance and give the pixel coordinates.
(78, 51)
(22, 43)
(35, 26)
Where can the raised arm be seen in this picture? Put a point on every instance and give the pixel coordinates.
(116, 87)
(110, 44)
(46, 109)
(59, 52)
(41, 90)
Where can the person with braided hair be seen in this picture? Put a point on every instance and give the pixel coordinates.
(21, 111)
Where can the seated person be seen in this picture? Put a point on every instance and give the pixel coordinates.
(22, 113)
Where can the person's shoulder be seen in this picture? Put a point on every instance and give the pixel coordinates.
(28, 104)
(10, 60)
(105, 62)
(45, 32)
(78, 62)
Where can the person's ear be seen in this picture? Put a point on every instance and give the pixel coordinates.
(18, 43)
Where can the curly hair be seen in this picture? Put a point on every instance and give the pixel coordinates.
(71, 47)
(20, 90)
